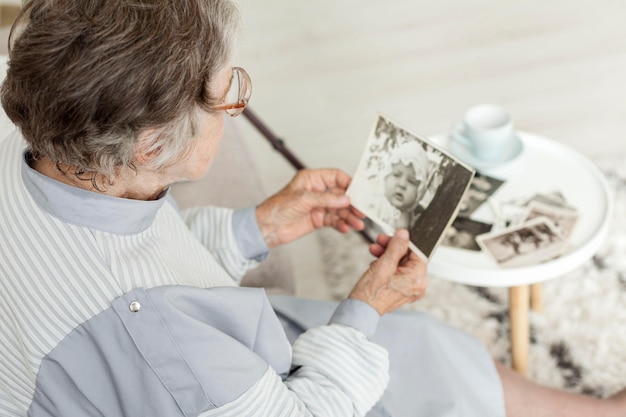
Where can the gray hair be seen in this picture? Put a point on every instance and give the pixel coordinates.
(87, 78)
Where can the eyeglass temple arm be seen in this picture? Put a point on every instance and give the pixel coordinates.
(279, 145)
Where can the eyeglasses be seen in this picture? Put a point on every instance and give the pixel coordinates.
(238, 94)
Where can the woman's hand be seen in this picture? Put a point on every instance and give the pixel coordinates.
(313, 199)
(396, 278)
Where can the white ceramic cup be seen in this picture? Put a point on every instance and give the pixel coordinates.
(486, 130)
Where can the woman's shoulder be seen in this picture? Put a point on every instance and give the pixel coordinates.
(12, 149)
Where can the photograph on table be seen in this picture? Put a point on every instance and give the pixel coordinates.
(529, 243)
(462, 233)
(564, 219)
(404, 181)
(481, 188)
(514, 212)
(553, 198)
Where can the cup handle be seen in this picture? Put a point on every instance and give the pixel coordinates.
(458, 137)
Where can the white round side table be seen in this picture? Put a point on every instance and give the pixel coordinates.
(543, 166)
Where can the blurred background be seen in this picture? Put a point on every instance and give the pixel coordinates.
(322, 69)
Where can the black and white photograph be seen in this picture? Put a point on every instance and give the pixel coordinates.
(514, 212)
(404, 181)
(462, 233)
(554, 198)
(481, 188)
(529, 243)
(564, 219)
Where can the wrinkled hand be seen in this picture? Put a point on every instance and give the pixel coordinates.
(396, 278)
(313, 199)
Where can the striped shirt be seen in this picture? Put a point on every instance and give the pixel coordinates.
(69, 257)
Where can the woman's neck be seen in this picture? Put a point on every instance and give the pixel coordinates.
(128, 183)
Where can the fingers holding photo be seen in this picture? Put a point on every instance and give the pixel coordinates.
(379, 247)
(396, 278)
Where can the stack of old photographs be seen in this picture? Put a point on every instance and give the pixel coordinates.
(405, 181)
(536, 229)
(525, 231)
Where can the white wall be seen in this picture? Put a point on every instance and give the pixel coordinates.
(322, 69)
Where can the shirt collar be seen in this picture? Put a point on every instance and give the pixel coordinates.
(89, 209)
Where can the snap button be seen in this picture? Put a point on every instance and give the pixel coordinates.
(135, 306)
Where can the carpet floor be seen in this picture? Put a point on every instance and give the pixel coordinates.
(578, 341)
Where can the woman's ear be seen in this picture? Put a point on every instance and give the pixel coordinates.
(146, 148)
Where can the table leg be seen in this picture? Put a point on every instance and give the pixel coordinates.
(536, 302)
(518, 315)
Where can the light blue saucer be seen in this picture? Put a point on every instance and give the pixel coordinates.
(460, 149)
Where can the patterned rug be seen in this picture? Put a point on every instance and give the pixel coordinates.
(578, 341)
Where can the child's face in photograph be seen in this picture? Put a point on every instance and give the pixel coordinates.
(401, 187)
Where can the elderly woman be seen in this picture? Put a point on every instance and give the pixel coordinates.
(113, 303)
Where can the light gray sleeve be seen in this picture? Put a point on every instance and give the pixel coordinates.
(248, 234)
(306, 314)
(358, 315)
